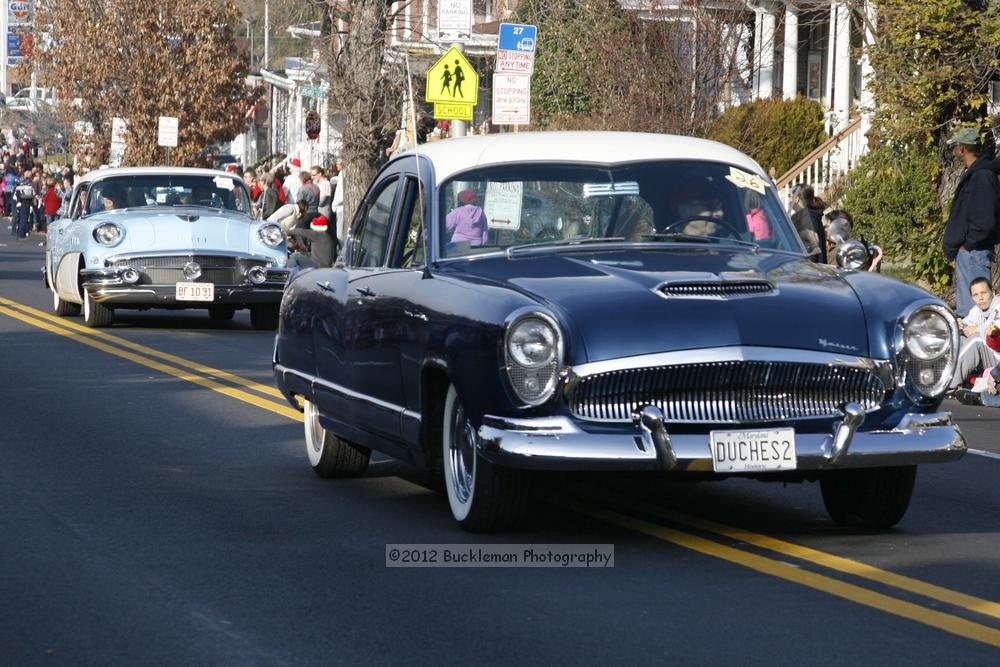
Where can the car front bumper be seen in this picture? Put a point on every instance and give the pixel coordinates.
(557, 443)
(107, 286)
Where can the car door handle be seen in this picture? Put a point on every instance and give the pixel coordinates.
(326, 287)
(364, 291)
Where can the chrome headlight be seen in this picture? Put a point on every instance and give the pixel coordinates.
(271, 235)
(533, 352)
(852, 255)
(927, 350)
(108, 234)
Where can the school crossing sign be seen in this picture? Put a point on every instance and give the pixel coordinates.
(452, 80)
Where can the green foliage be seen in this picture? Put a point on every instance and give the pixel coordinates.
(893, 201)
(776, 133)
(933, 63)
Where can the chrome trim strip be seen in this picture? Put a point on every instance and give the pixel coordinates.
(188, 252)
(732, 353)
(350, 393)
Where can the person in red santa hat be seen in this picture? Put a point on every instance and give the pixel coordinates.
(322, 238)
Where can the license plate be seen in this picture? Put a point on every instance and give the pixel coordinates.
(753, 451)
(195, 292)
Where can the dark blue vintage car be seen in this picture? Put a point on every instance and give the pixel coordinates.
(609, 301)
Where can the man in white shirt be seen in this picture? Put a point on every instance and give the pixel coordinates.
(974, 355)
(293, 182)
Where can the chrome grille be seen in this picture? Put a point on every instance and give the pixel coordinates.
(726, 392)
(166, 270)
(717, 288)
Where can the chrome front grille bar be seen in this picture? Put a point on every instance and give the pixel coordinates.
(736, 390)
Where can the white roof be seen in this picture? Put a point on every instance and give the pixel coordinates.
(95, 174)
(451, 156)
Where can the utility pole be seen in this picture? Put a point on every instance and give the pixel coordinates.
(456, 128)
(267, 34)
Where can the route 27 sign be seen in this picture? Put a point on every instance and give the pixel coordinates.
(452, 80)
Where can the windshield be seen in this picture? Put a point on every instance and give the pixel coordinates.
(496, 208)
(118, 192)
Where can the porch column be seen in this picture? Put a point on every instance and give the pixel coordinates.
(867, 71)
(790, 68)
(764, 54)
(842, 65)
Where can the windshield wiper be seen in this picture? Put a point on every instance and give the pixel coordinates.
(694, 238)
(581, 240)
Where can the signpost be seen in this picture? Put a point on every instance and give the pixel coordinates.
(452, 84)
(515, 62)
(167, 134)
(454, 20)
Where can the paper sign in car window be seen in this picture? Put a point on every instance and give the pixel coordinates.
(224, 183)
(743, 179)
(503, 205)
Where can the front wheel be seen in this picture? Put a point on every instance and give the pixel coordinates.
(96, 315)
(64, 308)
(873, 497)
(330, 456)
(221, 313)
(483, 497)
(264, 317)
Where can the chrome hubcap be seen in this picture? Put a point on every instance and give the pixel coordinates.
(462, 453)
(315, 430)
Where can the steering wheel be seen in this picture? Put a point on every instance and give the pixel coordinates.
(678, 225)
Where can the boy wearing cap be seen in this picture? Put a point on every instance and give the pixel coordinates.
(973, 226)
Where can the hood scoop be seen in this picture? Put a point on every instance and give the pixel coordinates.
(714, 289)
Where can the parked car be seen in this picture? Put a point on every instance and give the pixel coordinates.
(670, 321)
(162, 237)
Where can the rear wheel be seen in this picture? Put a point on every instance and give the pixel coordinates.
(264, 317)
(64, 308)
(483, 497)
(94, 314)
(221, 313)
(872, 497)
(330, 456)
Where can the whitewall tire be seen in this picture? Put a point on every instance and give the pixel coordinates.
(330, 456)
(483, 497)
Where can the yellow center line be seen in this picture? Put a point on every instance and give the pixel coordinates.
(246, 397)
(914, 612)
(838, 563)
(148, 351)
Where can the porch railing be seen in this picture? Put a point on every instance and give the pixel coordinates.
(830, 162)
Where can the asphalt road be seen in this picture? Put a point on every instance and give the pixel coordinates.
(154, 510)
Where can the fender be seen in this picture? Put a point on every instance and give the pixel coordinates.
(66, 282)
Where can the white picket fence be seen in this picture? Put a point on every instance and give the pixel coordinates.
(828, 163)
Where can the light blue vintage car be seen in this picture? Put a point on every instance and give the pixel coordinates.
(163, 237)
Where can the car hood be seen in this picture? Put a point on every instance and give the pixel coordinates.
(611, 300)
(198, 230)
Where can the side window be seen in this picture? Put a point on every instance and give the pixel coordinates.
(81, 197)
(374, 232)
(411, 243)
